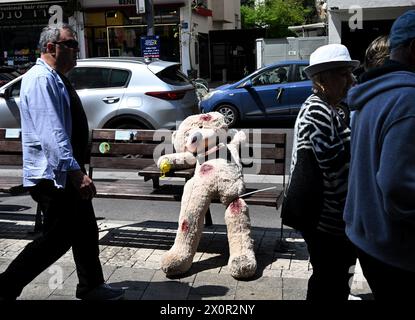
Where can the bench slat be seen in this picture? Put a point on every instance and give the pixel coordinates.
(10, 146)
(265, 136)
(153, 171)
(168, 192)
(11, 160)
(258, 152)
(127, 148)
(120, 163)
(141, 134)
(8, 182)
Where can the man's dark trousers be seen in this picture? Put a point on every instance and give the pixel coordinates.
(69, 222)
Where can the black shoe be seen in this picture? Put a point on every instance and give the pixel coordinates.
(102, 292)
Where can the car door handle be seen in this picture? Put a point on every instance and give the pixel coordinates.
(110, 100)
(279, 94)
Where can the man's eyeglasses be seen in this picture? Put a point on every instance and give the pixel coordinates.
(73, 44)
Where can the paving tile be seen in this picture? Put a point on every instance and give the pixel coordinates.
(299, 265)
(281, 264)
(166, 290)
(264, 288)
(213, 285)
(134, 279)
(35, 291)
(294, 283)
(61, 297)
(276, 273)
(133, 294)
(301, 274)
(294, 294)
(54, 272)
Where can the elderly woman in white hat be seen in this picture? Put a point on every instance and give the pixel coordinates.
(316, 193)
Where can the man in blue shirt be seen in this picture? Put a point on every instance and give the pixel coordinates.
(55, 146)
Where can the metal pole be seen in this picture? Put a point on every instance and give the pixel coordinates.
(150, 17)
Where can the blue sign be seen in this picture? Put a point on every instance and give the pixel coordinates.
(150, 46)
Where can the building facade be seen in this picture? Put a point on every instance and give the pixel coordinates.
(355, 23)
(21, 22)
(113, 28)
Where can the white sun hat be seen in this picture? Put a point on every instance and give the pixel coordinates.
(328, 57)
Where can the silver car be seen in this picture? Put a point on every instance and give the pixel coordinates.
(120, 93)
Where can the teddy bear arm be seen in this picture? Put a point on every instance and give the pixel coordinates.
(180, 160)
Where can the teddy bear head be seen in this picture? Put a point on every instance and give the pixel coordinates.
(201, 131)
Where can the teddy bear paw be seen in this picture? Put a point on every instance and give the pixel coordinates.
(173, 264)
(242, 267)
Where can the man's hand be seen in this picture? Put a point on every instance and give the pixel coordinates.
(83, 184)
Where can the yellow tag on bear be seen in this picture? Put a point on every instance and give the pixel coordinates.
(165, 167)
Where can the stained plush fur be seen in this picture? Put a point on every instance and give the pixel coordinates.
(197, 145)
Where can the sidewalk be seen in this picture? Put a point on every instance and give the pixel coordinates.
(130, 254)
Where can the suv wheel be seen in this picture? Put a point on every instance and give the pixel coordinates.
(230, 113)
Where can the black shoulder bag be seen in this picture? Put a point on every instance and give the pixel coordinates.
(303, 197)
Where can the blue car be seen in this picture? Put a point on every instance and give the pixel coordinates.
(276, 91)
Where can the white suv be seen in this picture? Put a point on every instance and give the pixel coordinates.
(120, 93)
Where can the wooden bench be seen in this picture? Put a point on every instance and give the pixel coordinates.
(11, 156)
(134, 150)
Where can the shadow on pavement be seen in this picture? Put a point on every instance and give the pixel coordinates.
(168, 290)
(213, 250)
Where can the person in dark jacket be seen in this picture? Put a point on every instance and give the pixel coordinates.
(380, 205)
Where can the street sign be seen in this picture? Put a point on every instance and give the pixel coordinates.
(150, 46)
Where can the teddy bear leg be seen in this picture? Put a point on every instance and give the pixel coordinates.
(242, 262)
(194, 205)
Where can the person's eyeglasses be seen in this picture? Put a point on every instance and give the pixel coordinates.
(73, 44)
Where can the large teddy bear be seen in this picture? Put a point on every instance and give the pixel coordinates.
(202, 141)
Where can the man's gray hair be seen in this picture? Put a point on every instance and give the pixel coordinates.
(51, 33)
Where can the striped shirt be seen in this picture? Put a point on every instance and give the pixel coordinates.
(319, 129)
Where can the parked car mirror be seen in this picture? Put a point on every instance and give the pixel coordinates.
(246, 84)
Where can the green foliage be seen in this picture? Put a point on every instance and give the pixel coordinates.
(275, 16)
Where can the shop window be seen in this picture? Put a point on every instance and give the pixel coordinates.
(93, 19)
(124, 41)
